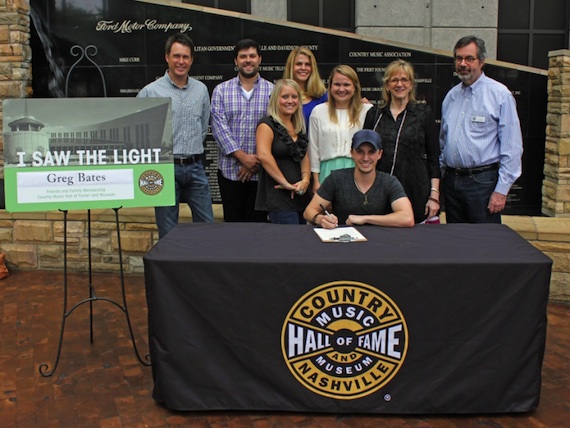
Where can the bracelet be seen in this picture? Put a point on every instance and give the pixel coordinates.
(314, 220)
(304, 172)
(433, 199)
(433, 189)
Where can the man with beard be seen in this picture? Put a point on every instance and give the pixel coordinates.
(480, 139)
(237, 106)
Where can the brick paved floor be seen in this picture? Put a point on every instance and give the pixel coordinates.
(103, 384)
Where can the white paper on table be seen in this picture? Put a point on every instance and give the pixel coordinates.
(340, 234)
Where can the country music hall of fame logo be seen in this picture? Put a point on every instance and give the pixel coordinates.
(151, 182)
(344, 340)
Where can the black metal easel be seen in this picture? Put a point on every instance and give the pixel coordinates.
(44, 367)
(44, 370)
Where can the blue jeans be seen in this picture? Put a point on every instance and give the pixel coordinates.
(467, 197)
(286, 217)
(193, 188)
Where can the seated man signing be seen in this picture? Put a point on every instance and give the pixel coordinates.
(361, 195)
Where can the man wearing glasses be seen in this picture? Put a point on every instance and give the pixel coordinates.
(480, 139)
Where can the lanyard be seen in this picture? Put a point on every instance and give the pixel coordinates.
(397, 138)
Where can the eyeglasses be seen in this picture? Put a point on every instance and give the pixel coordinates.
(395, 80)
(468, 59)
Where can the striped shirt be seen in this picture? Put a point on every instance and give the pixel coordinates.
(234, 121)
(480, 126)
(190, 112)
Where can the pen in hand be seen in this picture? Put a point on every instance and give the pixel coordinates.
(327, 214)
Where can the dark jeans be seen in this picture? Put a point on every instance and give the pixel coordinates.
(238, 200)
(192, 187)
(286, 217)
(467, 197)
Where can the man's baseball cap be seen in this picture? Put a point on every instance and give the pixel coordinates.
(367, 136)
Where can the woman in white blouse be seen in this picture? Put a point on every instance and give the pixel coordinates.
(332, 124)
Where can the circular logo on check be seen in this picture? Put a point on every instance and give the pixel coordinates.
(344, 340)
(151, 182)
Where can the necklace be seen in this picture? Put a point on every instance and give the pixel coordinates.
(397, 139)
(365, 202)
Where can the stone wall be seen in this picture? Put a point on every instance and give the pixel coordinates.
(556, 184)
(35, 240)
(15, 55)
(552, 237)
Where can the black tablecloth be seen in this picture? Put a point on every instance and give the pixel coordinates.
(465, 310)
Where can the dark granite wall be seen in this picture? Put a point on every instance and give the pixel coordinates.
(123, 41)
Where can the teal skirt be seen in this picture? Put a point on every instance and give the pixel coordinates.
(332, 164)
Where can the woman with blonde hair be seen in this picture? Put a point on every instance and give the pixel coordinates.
(332, 124)
(282, 151)
(409, 139)
(301, 66)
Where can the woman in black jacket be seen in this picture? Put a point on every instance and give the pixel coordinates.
(409, 139)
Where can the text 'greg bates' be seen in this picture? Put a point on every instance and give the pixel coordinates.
(93, 157)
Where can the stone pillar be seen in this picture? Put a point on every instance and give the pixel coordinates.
(15, 56)
(556, 184)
